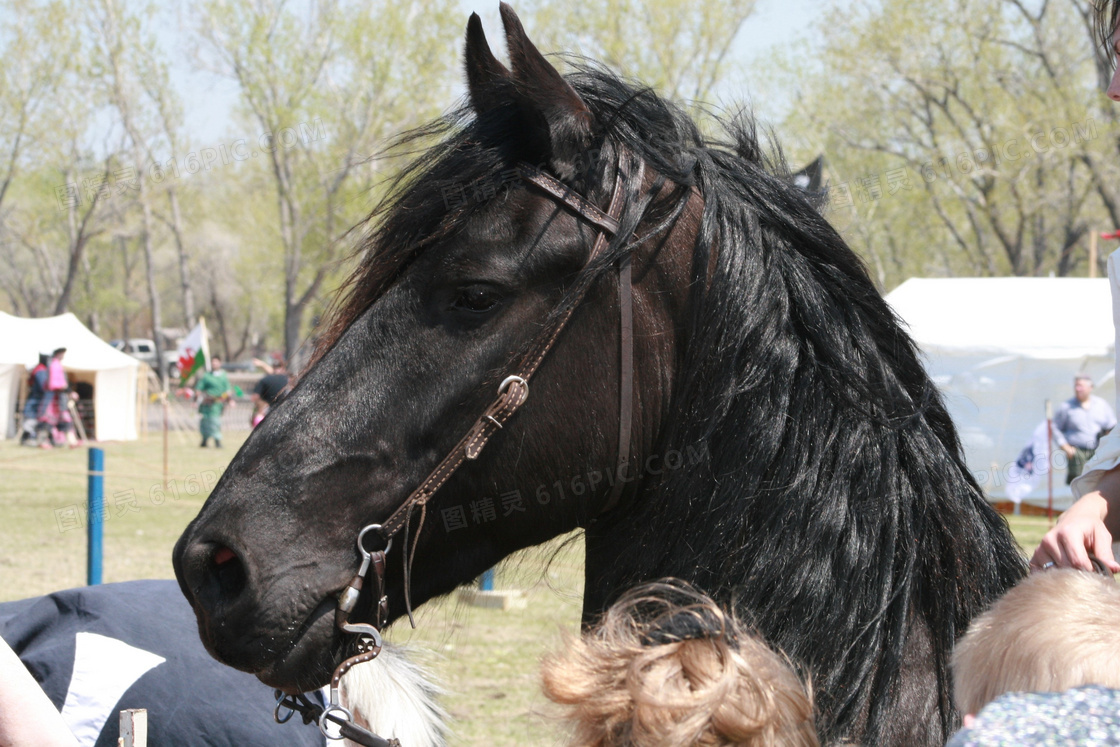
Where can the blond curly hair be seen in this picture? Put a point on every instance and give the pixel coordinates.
(667, 667)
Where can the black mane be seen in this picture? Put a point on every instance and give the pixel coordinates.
(833, 506)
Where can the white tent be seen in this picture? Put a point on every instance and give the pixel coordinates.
(998, 348)
(112, 374)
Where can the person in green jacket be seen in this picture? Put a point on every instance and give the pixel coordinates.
(215, 390)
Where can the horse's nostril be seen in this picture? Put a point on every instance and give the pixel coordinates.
(212, 573)
(229, 572)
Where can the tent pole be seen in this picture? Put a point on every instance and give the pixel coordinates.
(77, 417)
(166, 406)
(1050, 467)
(142, 402)
(1092, 254)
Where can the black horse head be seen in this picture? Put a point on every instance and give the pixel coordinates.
(788, 453)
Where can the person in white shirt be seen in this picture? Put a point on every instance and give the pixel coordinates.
(1094, 519)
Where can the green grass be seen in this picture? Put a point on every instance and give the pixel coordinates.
(43, 495)
(1028, 530)
(487, 659)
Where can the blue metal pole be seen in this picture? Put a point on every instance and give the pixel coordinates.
(486, 581)
(95, 516)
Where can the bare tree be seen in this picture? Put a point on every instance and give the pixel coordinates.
(80, 223)
(34, 66)
(38, 58)
(992, 124)
(324, 85)
(131, 74)
(682, 49)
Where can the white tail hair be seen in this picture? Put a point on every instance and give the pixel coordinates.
(396, 698)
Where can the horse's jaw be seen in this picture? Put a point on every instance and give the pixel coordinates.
(297, 658)
(307, 660)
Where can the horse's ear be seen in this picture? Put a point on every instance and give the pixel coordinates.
(551, 105)
(488, 80)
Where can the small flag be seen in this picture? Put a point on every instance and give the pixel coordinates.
(193, 353)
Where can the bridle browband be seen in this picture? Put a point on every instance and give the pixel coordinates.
(512, 394)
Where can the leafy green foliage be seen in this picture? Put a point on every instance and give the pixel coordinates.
(682, 50)
(327, 83)
(962, 143)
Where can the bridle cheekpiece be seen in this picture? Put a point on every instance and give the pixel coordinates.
(512, 394)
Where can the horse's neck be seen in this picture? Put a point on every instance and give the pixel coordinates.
(621, 552)
(630, 549)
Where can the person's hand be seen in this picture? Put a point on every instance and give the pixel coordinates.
(1069, 450)
(1080, 531)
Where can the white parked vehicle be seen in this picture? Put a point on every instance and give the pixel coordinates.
(145, 350)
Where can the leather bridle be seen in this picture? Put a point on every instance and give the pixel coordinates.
(512, 394)
(514, 389)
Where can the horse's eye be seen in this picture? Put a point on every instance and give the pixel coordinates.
(476, 300)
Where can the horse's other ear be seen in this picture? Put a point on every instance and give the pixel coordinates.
(488, 80)
(552, 107)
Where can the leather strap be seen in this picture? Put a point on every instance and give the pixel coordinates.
(381, 602)
(579, 205)
(626, 371)
(512, 393)
(515, 388)
(1100, 567)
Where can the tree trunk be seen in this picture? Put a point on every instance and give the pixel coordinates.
(77, 245)
(149, 268)
(126, 276)
(93, 320)
(220, 317)
(189, 316)
(293, 320)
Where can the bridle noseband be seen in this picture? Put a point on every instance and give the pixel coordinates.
(512, 394)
